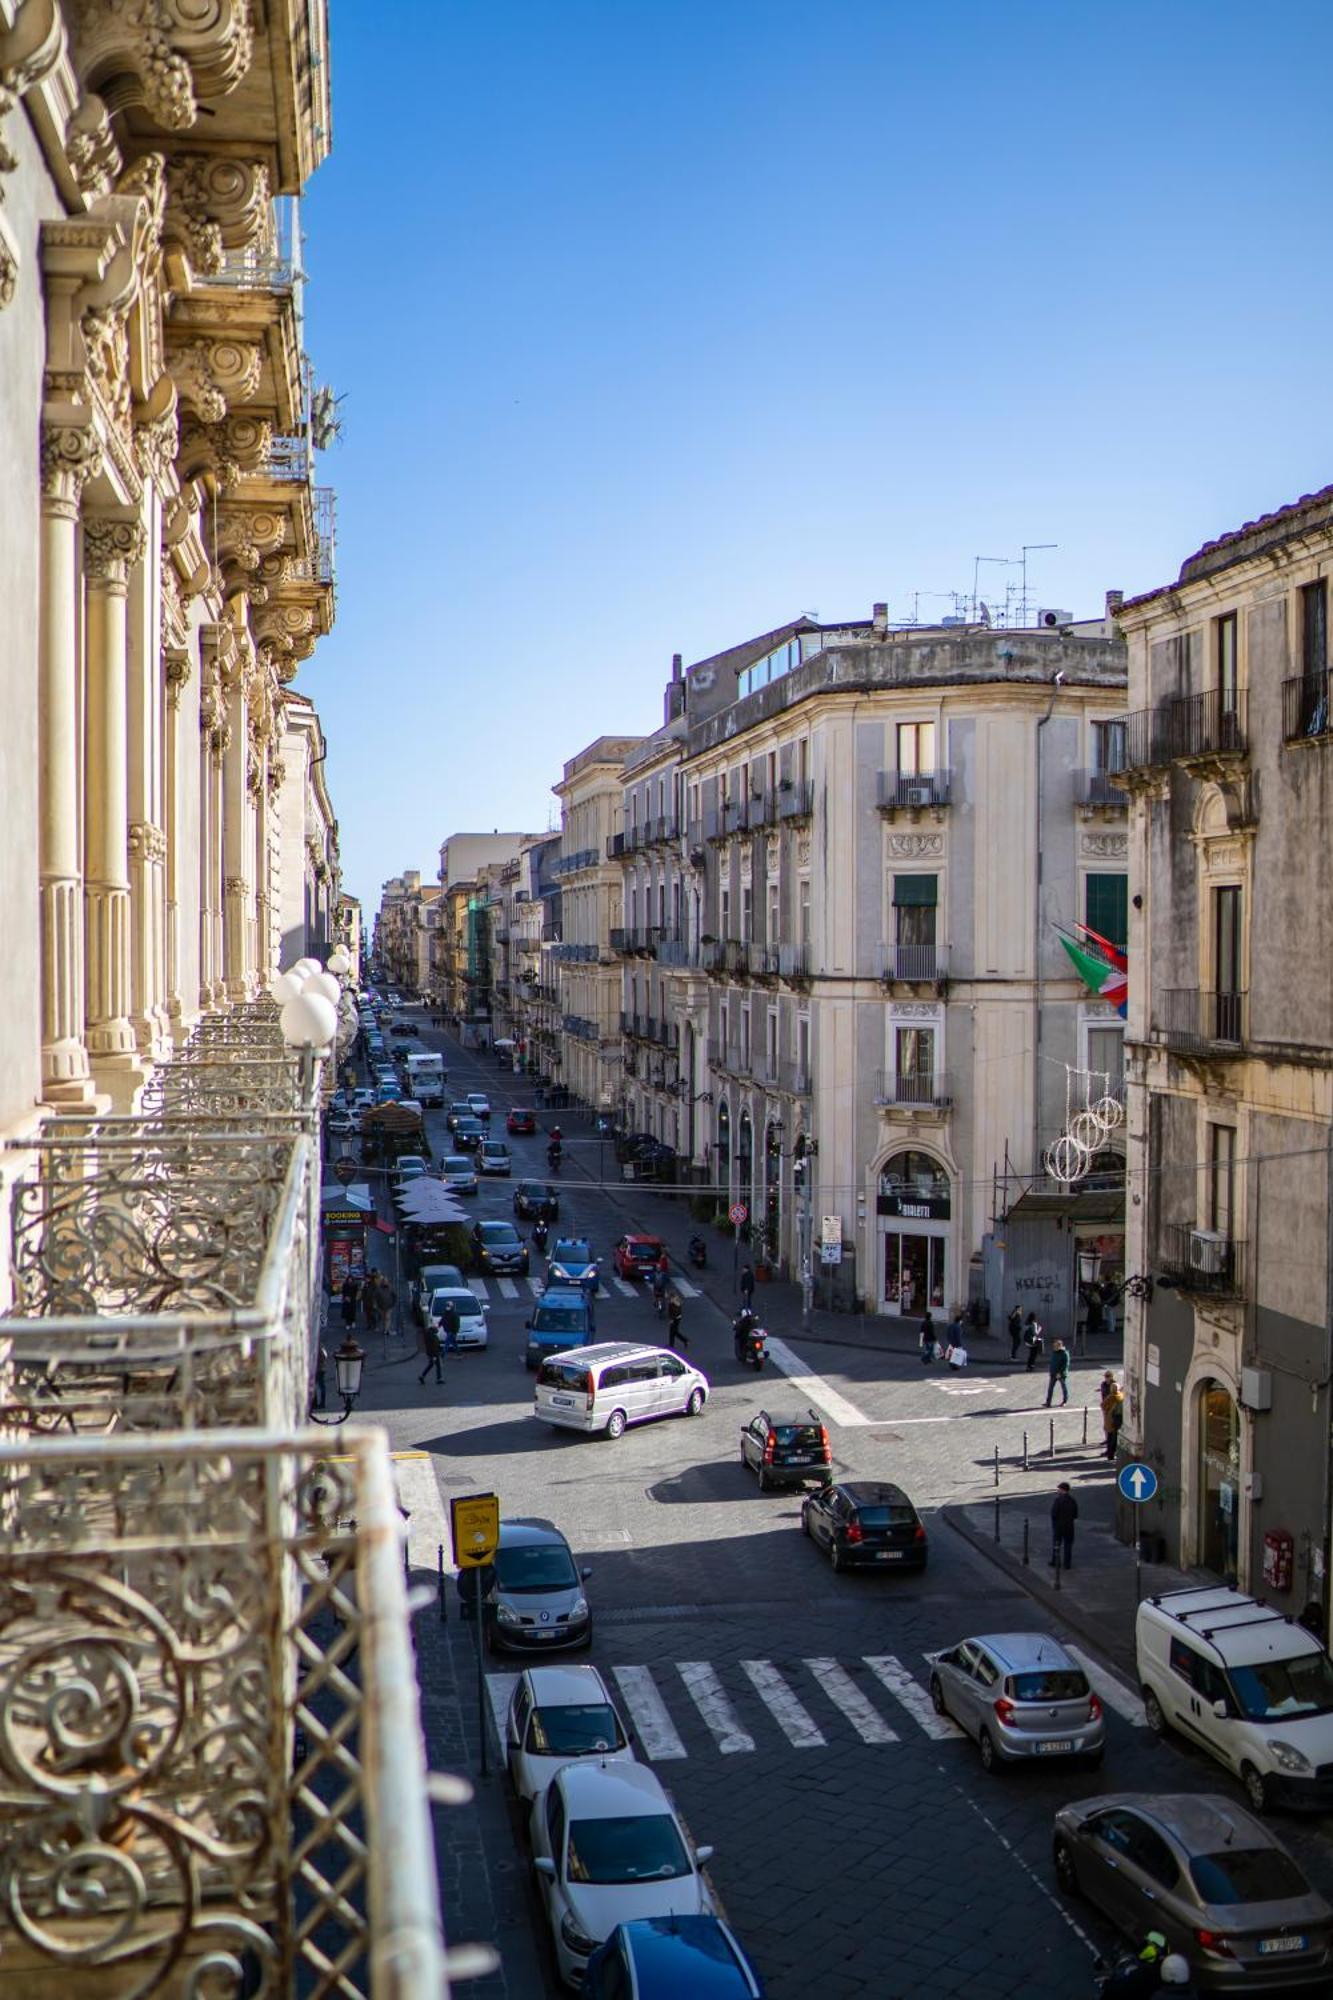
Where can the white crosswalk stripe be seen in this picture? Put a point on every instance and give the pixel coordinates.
(912, 1696)
(1115, 1693)
(536, 1286)
(508, 1289)
(706, 1691)
(479, 1288)
(684, 1287)
(657, 1732)
(500, 1692)
(623, 1285)
(792, 1718)
(843, 1692)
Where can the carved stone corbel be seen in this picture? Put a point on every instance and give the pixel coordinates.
(216, 205)
(112, 548)
(162, 54)
(90, 147)
(29, 50)
(213, 374)
(225, 451)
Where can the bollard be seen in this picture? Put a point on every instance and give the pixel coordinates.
(997, 1465)
(444, 1602)
(997, 1517)
(1051, 1453)
(1027, 1525)
(1085, 1423)
(1025, 1451)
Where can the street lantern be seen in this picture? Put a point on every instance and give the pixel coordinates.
(348, 1363)
(1089, 1264)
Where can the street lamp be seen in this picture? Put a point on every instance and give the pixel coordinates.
(348, 1362)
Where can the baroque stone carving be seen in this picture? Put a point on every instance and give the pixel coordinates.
(111, 548)
(163, 54)
(915, 1010)
(1104, 844)
(227, 450)
(217, 205)
(71, 456)
(213, 374)
(905, 846)
(91, 149)
(28, 51)
(175, 669)
(146, 841)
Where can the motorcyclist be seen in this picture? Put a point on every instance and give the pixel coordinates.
(1176, 1976)
(541, 1230)
(743, 1329)
(553, 1153)
(1134, 1977)
(698, 1250)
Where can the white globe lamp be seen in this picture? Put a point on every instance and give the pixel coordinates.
(285, 987)
(308, 1021)
(325, 985)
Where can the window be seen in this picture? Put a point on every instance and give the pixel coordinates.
(804, 895)
(1226, 963)
(747, 911)
(1106, 1060)
(803, 1044)
(724, 912)
(1106, 907)
(916, 749)
(745, 1047)
(914, 911)
(1221, 1178)
(1314, 628)
(1225, 650)
(774, 914)
(771, 780)
(915, 1064)
(771, 1042)
(1108, 745)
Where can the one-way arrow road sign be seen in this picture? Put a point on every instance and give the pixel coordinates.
(1137, 1482)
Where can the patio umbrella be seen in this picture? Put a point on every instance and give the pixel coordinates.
(426, 1200)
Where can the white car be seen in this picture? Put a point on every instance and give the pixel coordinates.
(471, 1315)
(458, 1173)
(557, 1714)
(608, 1847)
(481, 1105)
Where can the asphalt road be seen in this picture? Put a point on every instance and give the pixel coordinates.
(860, 1850)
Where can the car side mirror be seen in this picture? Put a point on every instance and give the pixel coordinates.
(585, 1574)
(545, 1866)
(528, 1324)
(1221, 1709)
(702, 1854)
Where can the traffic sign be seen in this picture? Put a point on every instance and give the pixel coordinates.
(1137, 1482)
(345, 1170)
(738, 1213)
(474, 1522)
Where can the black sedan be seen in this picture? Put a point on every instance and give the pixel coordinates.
(863, 1525)
(534, 1201)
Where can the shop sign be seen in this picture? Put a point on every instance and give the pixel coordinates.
(914, 1207)
(344, 1218)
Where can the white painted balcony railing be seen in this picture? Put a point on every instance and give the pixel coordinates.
(212, 1774)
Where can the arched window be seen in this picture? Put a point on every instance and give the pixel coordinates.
(915, 1179)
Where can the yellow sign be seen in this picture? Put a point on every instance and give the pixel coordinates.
(474, 1522)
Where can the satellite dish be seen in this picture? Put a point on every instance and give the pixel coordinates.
(985, 612)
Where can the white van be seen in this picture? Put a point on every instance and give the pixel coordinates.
(612, 1384)
(1247, 1684)
(426, 1077)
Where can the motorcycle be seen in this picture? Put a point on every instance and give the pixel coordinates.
(554, 1155)
(749, 1341)
(540, 1234)
(698, 1252)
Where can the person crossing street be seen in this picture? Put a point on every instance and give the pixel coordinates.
(1057, 1373)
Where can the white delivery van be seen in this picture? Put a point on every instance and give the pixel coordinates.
(426, 1078)
(612, 1384)
(1247, 1684)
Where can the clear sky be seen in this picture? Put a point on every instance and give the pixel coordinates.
(661, 321)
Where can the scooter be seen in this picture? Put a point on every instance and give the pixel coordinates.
(697, 1251)
(554, 1155)
(749, 1341)
(540, 1234)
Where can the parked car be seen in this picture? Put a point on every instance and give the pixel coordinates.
(432, 1278)
(1220, 1888)
(614, 1383)
(481, 1105)
(521, 1122)
(458, 1173)
(635, 1256)
(570, 1261)
(555, 1715)
(785, 1448)
(468, 1134)
(1021, 1696)
(559, 1321)
(341, 1123)
(532, 1596)
(862, 1524)
(498, 1247)
(661, 1958)
(493, 1157)
(459, 1109)
(608, 1847)
(471, 1314)
(535, 1201)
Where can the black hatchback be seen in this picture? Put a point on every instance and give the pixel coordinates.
(786, 1449)
(864, 1525)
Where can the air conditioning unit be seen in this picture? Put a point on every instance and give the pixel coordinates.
(1208, 1251)
(1051, 620)
(919, 795)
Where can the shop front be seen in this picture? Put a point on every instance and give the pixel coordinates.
(1217, 1487)
(914, 1210)
(345, 1214)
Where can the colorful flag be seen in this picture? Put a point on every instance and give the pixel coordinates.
(1107, 980)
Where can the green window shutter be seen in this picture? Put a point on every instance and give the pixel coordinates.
(915, 891)
(1106, 908)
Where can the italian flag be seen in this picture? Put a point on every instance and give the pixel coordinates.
(1102, 966)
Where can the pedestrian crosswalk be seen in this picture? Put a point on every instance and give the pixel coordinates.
(535, 1284)
(759, 1705)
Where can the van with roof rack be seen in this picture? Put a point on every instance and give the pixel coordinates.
(1247, 1684)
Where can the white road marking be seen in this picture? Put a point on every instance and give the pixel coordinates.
(623, 1285)
(500, 1692)
(508, 1289)
(966, 1388)
(1115, 1692)
(843, 1692)
(428, 1524)
(707, 1694)
(655, 1728)
(536, 1286)
(791, 1717)
(802, 1377)
(913, 1697)
(479, 1288)
(684, 1287)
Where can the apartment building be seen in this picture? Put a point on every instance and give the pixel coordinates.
(580, 968)
(1229, 758)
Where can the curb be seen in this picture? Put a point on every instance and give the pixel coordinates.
(1090, 1630)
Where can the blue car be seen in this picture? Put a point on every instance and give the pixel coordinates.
(659, 1958)
(559, 1321)
(570, 1261)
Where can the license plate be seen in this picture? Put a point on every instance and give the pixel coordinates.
(1051, 1748)
(1268, 1946)
(888, 1555)
(799, 1458)
(563, 1402)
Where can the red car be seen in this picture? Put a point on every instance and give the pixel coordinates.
(635, 1256)
(520, 1121)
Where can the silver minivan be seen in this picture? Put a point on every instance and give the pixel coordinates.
(1021, 1696)
(612, 1384)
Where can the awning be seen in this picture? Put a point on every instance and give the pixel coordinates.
(357, 1196)
(429, 1201)
(1087, 1205)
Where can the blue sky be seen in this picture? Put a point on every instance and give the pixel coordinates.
(660, 321)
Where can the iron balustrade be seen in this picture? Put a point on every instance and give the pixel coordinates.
(909, 963)
(1100, 788)
(796, 798)
(928, 1091)
(1306, 707)
(1212, 724)
(794, 1078)
(1194, 1019)
(794, 961)
(902, 790)
(1200, 1260)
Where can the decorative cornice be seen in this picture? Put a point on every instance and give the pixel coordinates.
(111, 548)
(162, 54)
(71, 456)
(29, 50)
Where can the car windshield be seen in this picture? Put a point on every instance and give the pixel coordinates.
(1248, 1875)
(560, 1319)
(1050, 1684)
(540, 1566)
(646, 1848)
(1272, 1688)
(897, 1515)
(457, 1164)
(806, 1436)
(570, 1251)
(497, 1232)
(580, 1730)
(644, 1253)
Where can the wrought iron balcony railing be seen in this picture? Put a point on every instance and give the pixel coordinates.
(1196, 1019)
(794, 1078)
(1101, 788)
(1212, 724)
(1306, 708)
(1200, 1260)
(211, 1756)
(909, 963)
(794, 962)
(907, 1089)
(904, 791)
(796, 798)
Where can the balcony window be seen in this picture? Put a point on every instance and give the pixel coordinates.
(1224, 646)
(1106, 1061)
(915, 909)
(916, 749)
(1106, 907)
(1108, 746)
(1227, 961)
(1221, 1178)
(1314, 628)
(914, 1061)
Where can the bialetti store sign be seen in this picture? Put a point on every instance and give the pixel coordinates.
(915, 1206)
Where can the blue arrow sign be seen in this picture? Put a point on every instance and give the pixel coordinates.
(1137, 1482)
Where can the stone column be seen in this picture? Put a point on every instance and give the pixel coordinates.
(146, 813)
(236, 848)
(176, 674)
(69, 459)
(111, 548)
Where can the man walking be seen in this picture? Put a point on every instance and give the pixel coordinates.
(747, 1288)
(1015, 1324)
(1064, 1513)
(450, 1326)
(675, 1309)
(1113, 1416)
(588, 1284)
(351, 1291)
(1033, 1339)
(1057, 1372)
(927, 1339)
(434, 1352)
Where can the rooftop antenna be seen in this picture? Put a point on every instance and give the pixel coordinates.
(1009, 562)
(1023, 602)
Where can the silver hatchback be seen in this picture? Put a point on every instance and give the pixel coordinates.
(1021, 1696)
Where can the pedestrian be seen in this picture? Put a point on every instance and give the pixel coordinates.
(1033, 1339)
(1015, 1332)
(588, 1286)
(322, 1379)
(675, 1310)
(747, 1287)
(1057, 1372)
(927, 1339)
(1105, 1387)
(384, 1298)
(954, 1337)
(434, 1352)
(661, 1273)
(351, 1292)
(450, 1326)
(370, 1302)
(1113, 1416)
(1064, 1513)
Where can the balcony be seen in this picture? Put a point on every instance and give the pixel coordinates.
(761, 961)
(761, 809)
(725, 958)
(615, 847)
(1192, 729)
(794, 964)
(912, 791)
(1305, 708)
(672, 949)
(662, 832)
(794, 1079)
(912, 964)
(729, 1058)
(796, 798)
(1205, 1261)
(1194, 1020)
(1099, 792)
(907, 1092)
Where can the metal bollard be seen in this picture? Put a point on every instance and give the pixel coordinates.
(1027, 1526)
(1085, 1423)
(1052, 1450)
(444, 1602)
(1025, 1451)
(997, 1465)
(997, 1517)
